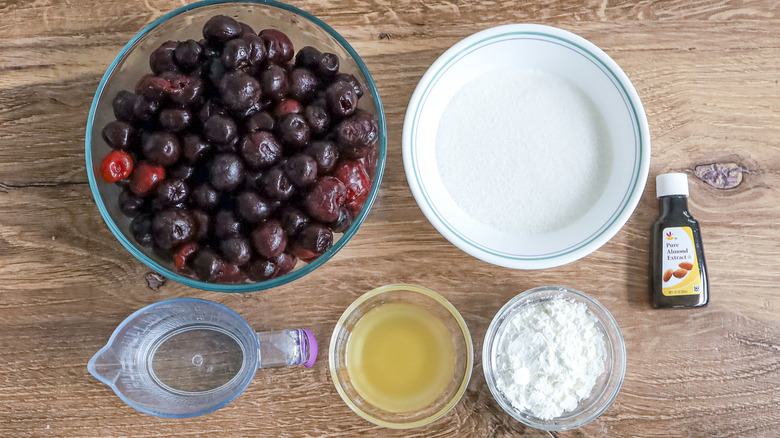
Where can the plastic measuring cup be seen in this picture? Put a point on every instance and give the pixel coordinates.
(186, 357)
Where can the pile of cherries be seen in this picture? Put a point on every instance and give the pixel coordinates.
(237, 157)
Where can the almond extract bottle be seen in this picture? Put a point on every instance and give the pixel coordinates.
(679, 272)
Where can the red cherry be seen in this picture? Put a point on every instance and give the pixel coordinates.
(183, 254)
(145, 178)
(355, 178)
(115, 166)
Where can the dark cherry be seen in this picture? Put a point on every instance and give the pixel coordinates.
(118, 134)
(194, 148)
(274, 82)
(371, 160)
(202, 222)
(226, 172)
(254, 180)
(325, 153)
(249, 112)
(344, 221)
(307, 57)
(301, 169)
(261, 270)
(262, 121)
(209, 109)
(256, 48)
(188, 54)
(278, 46)
(277, 185)
(163, 58)
(123, 105)
(182, 171)
(205, 197)
(260, 149)
(145, 109)
(246, 29)
(269, 239)
(325, 199)
(130, 204)
(303, 84)
(141, 229)
(236, 250)
(172, 191)
(235, 54)
(357, 135)
(293, 131)
(231, 146)
(220, 129)
(312, 242)
(326, 65)
(182, 89)
(175, 119)
(285, 262)
(252, 208)
(317, 117)
(341, 99)
(172, 227)
(220, 29)
(215, 69)
(351, 80)
(239, 90)
(293, 220)
(152, 88)
(226, 224)
(162, 148)
(208, 266)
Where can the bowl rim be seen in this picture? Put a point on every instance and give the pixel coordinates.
(274, 282)
(444, 303)
(565, 292)
(484, 252)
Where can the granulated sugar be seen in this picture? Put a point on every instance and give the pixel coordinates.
(523, 151)
(549, 357)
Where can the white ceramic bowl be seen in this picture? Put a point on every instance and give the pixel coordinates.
(564, 55)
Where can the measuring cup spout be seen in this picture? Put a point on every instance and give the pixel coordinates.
(286, 347)
(105, 365)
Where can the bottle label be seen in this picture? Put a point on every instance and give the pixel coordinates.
(680, 271)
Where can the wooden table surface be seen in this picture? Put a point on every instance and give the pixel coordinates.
(708, 73)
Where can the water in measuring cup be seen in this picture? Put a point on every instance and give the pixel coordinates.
(195, 358)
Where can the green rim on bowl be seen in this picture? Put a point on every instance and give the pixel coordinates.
(578, 45)
(248, 287)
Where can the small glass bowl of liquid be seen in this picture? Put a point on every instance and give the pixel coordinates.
(401, 356)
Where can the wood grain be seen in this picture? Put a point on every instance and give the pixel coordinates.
(707, 73)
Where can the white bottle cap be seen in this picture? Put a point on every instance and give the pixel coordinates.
(670, 184)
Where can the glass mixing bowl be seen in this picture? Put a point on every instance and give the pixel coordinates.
(132, 62)
(607, 385)
(458, 335)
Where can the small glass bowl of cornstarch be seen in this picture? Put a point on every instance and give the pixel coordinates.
(554, 358)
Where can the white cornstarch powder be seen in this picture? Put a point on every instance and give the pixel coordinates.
(549, 357)
(523, 151)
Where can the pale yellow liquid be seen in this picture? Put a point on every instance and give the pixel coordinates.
(400, 357)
